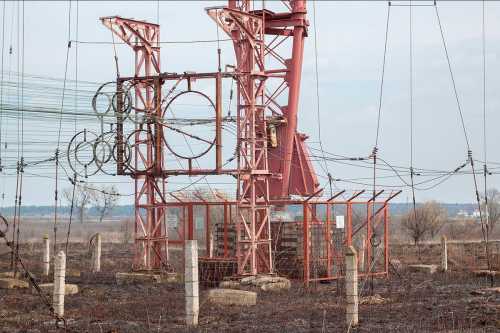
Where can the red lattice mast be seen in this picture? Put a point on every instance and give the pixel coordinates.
(151, 241)
(265, 171)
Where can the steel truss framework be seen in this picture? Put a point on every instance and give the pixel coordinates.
(151, 239)
(273, 161)
(374, 226)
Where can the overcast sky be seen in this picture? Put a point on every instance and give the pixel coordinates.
(350, 48)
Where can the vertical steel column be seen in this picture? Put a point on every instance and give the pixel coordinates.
(348, 225)
(328, 240)
(369, 236)
(150, 232)
(253, 232)
(190, 221)
(226, 251)
(386, 240)
(305, 240)
(208, 230)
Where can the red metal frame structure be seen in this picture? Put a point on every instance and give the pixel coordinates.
(151, 239)
(372, 220)
(273, 162)
(253, 210)
(265, 172)
(314, 251)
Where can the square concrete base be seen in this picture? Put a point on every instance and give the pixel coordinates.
(131, 278)
(10, 283)
(429, 269)
(48, 288)
(232, 297)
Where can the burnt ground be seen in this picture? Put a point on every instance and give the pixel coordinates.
(413, 303)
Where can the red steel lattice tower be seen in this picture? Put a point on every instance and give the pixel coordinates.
(266, 171)
(253, 208)
(273, 161)
(151, 239)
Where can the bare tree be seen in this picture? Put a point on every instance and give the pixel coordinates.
(81, 199)
(104, 199)
(493, 196)
(425, 221)
(436, 217)
(415, 225)
(491, 214)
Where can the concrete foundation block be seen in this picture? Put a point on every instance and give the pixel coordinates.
(375, 299)
(132, 278)
(11, 283)
(248, 280)
(276, 286)
(47, 288)
(262, 280)
(230, 285)
(232, 297)
(429, 269)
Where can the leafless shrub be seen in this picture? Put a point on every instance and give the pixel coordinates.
(424, 222)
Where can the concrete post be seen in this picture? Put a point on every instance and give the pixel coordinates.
(211, 246)
(96, 254)
(362, 251)
(46, 255)
(444, 254)
(191, 283)
(59, 283)
(351, 286)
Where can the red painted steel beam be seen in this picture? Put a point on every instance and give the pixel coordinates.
(151, 240)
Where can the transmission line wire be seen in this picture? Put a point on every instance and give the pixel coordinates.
(318, 109)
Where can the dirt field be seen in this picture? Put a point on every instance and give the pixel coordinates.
(412, 303)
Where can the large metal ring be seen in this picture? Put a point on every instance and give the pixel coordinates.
(103, 151)
(126, 102)
(102, 110)
(127, 152)
(78, 143)
(210, 145)
(144, 114)
(136, 139)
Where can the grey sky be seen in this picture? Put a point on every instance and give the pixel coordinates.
(350, 49)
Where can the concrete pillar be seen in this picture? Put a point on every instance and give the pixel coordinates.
(96, 254)
(211, 246)
(351, 286)
(191, 283)
(362, 251)
(59, 283)
(444, 254)
(46, 255)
